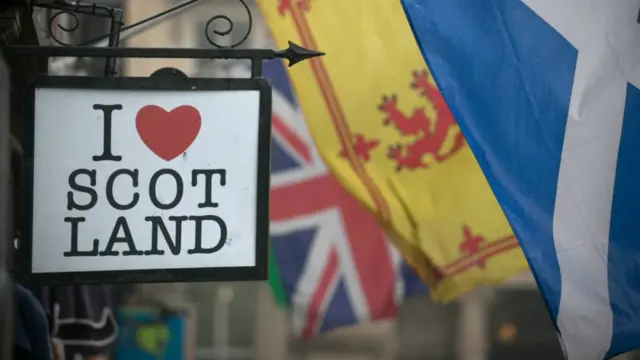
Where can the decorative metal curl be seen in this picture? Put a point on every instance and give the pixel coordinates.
(72, 28)
(73, 10)
(210, 28)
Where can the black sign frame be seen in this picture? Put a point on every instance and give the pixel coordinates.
(164, 78)
(153, 83)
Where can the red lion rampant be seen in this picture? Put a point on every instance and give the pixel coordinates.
(430, 134)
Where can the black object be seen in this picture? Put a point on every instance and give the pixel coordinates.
(294, 53)
(81, 319)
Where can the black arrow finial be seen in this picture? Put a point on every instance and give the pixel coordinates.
(296, 53)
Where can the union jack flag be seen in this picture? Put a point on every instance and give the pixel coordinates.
(336, 266)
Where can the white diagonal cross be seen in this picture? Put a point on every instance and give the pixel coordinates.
(605, 33)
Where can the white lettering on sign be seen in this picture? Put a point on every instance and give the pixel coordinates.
(132, 180)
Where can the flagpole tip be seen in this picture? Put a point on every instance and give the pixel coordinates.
(296, 53)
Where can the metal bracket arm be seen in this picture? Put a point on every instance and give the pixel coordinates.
(294, 53)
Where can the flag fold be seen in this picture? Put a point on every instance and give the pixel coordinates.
(386, 134)
(547, 95)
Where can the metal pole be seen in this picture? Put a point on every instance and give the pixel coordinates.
(6, 223)
(221, 322)
(472, 339)
(114, 41)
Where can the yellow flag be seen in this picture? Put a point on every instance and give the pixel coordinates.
(386, 134)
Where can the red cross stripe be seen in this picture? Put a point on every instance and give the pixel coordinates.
(368, 247)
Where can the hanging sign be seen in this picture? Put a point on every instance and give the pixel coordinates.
(147, 179)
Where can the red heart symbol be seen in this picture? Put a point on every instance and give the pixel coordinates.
(168, 133)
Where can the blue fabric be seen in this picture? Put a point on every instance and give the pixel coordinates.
(507, 76)
(470, 63)
(624, 287)
(31, 330)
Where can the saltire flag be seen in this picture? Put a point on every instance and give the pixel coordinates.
(547, 95)
(331, 264)
(386, 134)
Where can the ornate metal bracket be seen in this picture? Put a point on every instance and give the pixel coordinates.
(293, 53)
(73, 10)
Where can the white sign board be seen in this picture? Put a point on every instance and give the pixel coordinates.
(138, 180)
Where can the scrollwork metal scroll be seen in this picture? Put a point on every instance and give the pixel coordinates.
(72, 10)
(54, 21)
(210, 28)
(98, 48)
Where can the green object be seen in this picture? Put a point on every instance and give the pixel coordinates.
(153, 339)
(148, 333)
(276, 284)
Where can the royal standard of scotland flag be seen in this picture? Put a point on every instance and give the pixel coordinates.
(333, 265)
(546, 93)
(386, 134)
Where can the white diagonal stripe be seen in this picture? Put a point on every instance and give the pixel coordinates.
(587, 169)
(316, 262)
